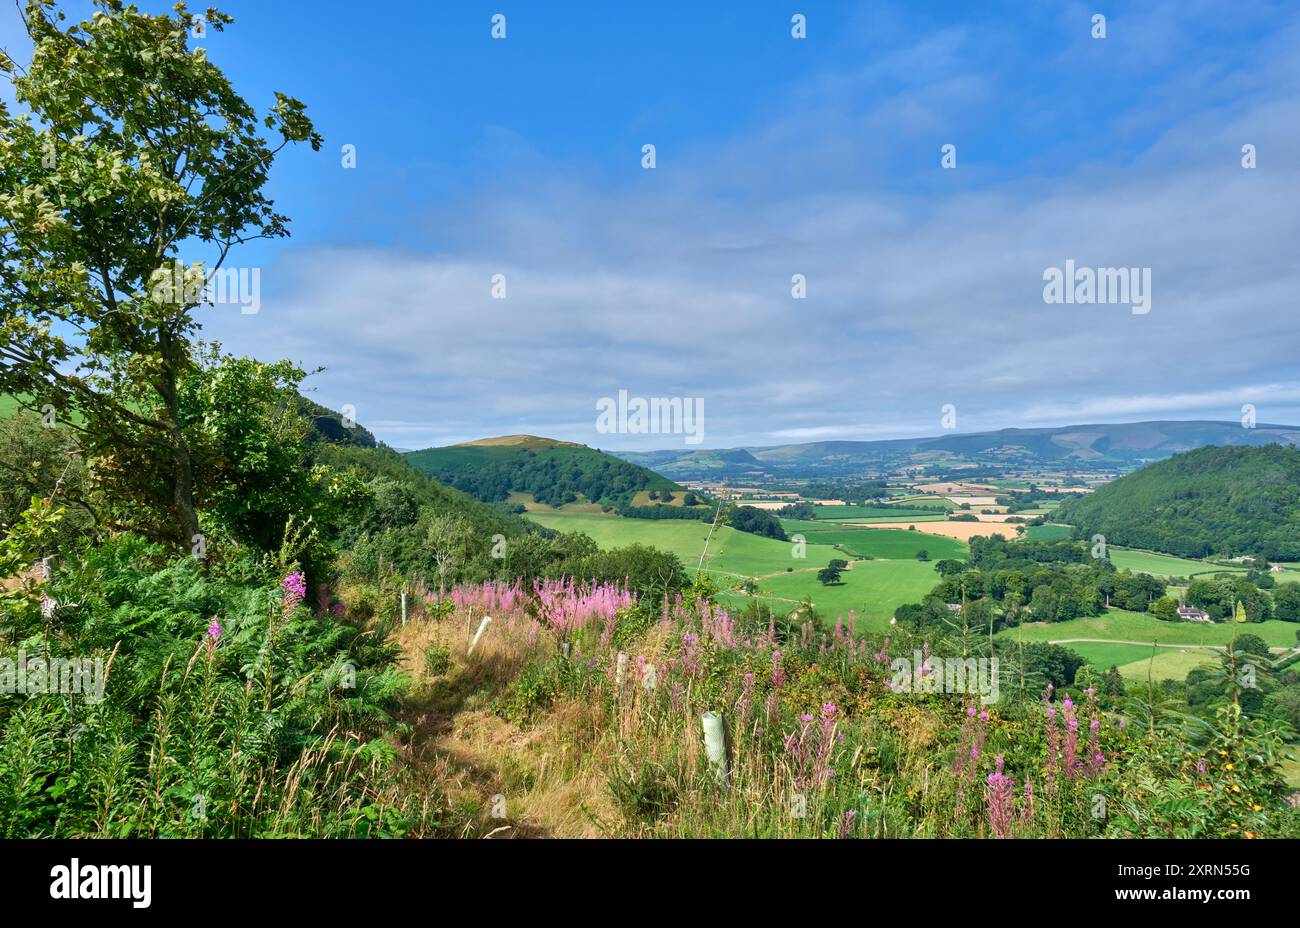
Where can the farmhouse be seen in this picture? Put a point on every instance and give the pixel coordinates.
(1192, 614)
(1276, 569)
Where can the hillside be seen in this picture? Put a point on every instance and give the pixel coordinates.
(1114, 445)
(553, 472)
(1209, 501)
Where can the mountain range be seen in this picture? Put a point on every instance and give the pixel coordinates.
(1104, 446)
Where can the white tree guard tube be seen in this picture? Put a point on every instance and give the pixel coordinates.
(715, 743)
(482, 627)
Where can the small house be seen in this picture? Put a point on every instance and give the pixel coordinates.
(1192, 614)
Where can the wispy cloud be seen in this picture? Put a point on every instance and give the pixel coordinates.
(924, 287)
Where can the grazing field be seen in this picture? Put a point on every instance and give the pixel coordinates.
(864, 513)
(1163, 565)
(873, 589)
(1124, 626)
(1049, 532)
(1168, 664)
(1291, 765)
(1132, 660)
(877, 542)
(740, 554)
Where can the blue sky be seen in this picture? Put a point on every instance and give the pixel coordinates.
(775, 156)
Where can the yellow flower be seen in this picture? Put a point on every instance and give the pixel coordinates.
(1228, 766)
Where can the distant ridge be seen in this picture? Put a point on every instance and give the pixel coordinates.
(518, 441)
(1122, 446)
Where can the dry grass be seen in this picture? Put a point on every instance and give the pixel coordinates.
(549, 775)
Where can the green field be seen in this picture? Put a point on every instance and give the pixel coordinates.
(1133, 660)
(1163, 565)
(1049, 532)
(1127, 626)
(876, 542)
(873, 513)
(731, 552)
(873, 589)
(1168, 664)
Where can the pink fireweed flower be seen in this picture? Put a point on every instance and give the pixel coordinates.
(294, 589)
(569, 607)
(778, 672)
(846, 824)
(1027, 810)
(810, 748)
(1001, 801)
(1053, 738)
(213, 638)
(1070, 754)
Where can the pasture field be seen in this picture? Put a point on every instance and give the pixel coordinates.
(1049, 532)
(877, 542)
(1168, 664)
(873, 589)
(740, 554)
(864, 513)
(1137, 627)
(1132, 660)
(1291, 765)
(927, 499)
(1163, 565)
(1104, 655)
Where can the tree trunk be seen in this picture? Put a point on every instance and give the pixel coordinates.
(187, 518)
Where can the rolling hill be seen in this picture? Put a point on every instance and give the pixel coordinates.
(1114, 445)
(553, 472)
(1212, 500)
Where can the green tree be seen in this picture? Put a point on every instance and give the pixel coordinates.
(138, 153)
(1165, 608)
(1286, 602)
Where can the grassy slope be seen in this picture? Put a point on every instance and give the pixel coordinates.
(1140, 627)
(1163, 565)
(1049, 532)
(873, 588)
(1133, 660)
(730, 552)
(877, 542)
